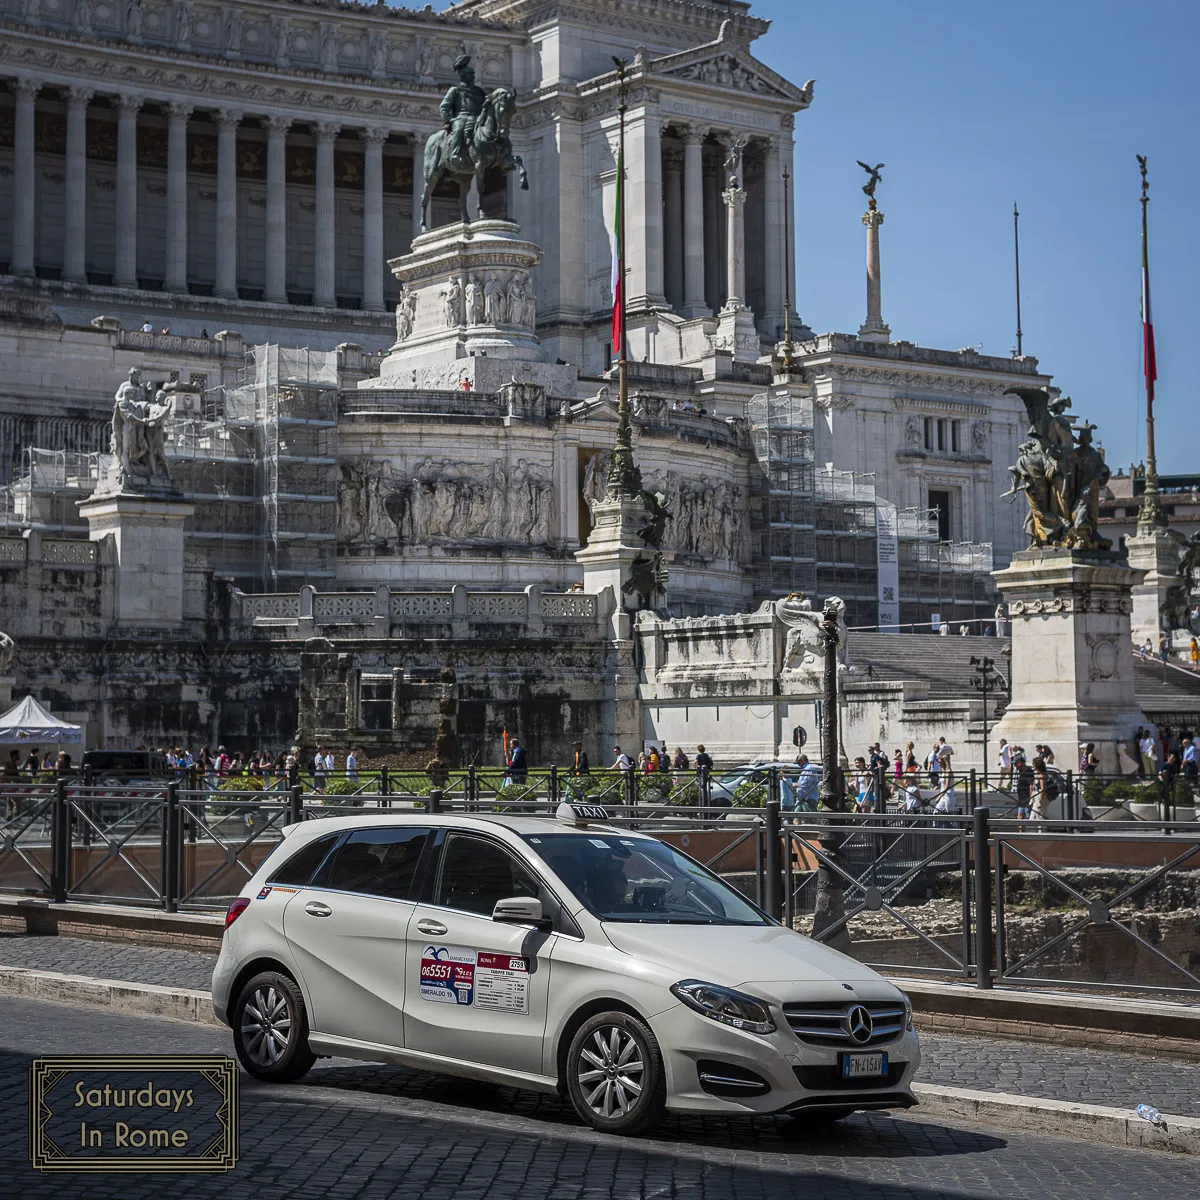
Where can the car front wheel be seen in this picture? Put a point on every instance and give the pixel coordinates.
(615, 1075)
(270, 1029)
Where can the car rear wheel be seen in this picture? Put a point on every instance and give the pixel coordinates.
(615, 1075)
(270, 1029)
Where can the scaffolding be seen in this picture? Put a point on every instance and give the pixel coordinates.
(781, 434)
(845, 540)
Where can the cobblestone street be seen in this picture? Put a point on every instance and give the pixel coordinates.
(988, 1064)
(361, 1131)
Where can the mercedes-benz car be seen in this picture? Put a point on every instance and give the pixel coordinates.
(558, 954)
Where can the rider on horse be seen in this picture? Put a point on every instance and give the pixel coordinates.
(460, 108)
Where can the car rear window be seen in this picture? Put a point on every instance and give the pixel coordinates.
(298, 869)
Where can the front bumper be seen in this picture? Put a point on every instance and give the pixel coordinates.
(797, 1077)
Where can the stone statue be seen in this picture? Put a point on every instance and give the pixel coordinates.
(424, 61)
(183, 21)
(472, 140)
(475, 304)
(406, 314)
(493, 299)
(7, 649)
(1060, 476)
(516, 301)
(452, 303)
(379, 54)
(657, 514)
(913, 436)
(733, 159)
(133, 19)
(872, 183)
(138, 440)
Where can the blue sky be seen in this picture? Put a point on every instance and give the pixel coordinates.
(974, 105)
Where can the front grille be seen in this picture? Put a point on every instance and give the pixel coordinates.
(828, 1023)
(831, 1079)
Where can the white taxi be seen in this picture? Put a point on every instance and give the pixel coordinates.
(556, 954)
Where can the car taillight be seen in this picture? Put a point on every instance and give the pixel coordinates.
(235, 910)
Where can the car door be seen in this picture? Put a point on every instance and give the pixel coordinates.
(477, 989)
(348, 934)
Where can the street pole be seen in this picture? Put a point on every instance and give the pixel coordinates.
(981, 680)
(787, 275)
(830, 907)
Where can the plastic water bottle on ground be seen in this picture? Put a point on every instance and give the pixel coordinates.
(1149, 1113)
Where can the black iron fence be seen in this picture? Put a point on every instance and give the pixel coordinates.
(978, 896)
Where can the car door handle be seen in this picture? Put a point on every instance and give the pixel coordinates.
(433, 928)
(315, 908)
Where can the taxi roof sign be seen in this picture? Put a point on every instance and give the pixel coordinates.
(580, 814)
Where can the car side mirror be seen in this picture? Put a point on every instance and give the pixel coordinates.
(520, 910)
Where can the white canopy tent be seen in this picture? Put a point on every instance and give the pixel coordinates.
(27, 722)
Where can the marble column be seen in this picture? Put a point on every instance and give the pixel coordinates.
(75, 223)
(418, 181)
(773, 253)
(24, 178)
(373, 254)
(694, 303)
(735, 242)
(643, 210)
(873, 329)
(276, 276)
(324, 278)
(127, 191)
(714, 227)
(227, 239)
(177, 198)
(673, 240)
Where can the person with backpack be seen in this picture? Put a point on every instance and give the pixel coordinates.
(1088, 762)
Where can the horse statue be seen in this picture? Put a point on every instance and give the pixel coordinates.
(487, 147)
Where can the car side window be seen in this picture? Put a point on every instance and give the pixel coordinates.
(377, 862)
(476, 872)
(298, 869)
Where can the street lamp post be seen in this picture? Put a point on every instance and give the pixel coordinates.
(984, 679)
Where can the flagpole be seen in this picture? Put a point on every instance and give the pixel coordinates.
(1150, 514)
(624, 480)
(1017, 257)
(787, 275)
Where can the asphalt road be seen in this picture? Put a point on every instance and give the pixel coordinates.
(354, 1131)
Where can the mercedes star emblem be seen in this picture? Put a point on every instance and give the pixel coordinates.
(859, 1024)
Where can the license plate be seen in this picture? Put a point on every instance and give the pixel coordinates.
(864, 1066)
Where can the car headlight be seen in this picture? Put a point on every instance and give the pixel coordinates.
(725, 1005)
(907, 1011)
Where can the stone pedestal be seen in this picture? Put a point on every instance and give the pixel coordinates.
(467, 313)
(147, 533)
(6, 687)
(1072, 658)
(1157, 554)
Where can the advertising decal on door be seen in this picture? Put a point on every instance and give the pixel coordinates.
(459, 975)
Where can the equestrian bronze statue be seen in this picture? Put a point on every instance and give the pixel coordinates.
(472, 141)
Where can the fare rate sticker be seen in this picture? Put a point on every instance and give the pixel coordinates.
(133, 1113)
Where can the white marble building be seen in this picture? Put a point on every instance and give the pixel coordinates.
(241, 173)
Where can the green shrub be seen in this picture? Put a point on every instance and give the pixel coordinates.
(242, 783)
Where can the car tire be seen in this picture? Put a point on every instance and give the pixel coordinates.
(270, 1029)
(615, 1075)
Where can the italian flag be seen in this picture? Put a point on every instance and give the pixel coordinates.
(1148, 363)
(617, 281)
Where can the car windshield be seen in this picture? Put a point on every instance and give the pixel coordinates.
(640, 880)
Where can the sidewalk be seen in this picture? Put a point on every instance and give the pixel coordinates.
(982, 1064)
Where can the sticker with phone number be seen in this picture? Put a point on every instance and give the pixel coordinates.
(460, 975)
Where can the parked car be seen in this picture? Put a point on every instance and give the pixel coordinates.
(723, 789)
(114, 773)
(561, 955)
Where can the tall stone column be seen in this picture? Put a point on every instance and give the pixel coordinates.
(694, 303)
(373, 254)
(177, 198)
(227, 126)
(24, 178)
(127, 191)
(276, 278)
(735, 242)
(418, 181)
(873, 329)
(323, 271)
(75, 225)
(673, 244)
(643, 210)
(773, 253)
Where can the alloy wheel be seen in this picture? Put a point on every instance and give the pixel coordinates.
(266, 1025)
(610, 1071)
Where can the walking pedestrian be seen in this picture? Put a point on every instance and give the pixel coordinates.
(1040, 794)
(1025, 780)
(1148, 745)
(1194, 654)
(1005, 760)
(704, 766)
(1089, 764)
(579, 764)
(518, 764)
(318, 765)
(808, 786)
(1191, 768)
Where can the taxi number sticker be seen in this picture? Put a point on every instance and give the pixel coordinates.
(460, 975)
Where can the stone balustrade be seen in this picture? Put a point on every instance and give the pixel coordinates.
(387, 613)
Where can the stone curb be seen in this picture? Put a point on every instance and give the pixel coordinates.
(1058, 1118)
(146, 999)
(1033, 1114)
